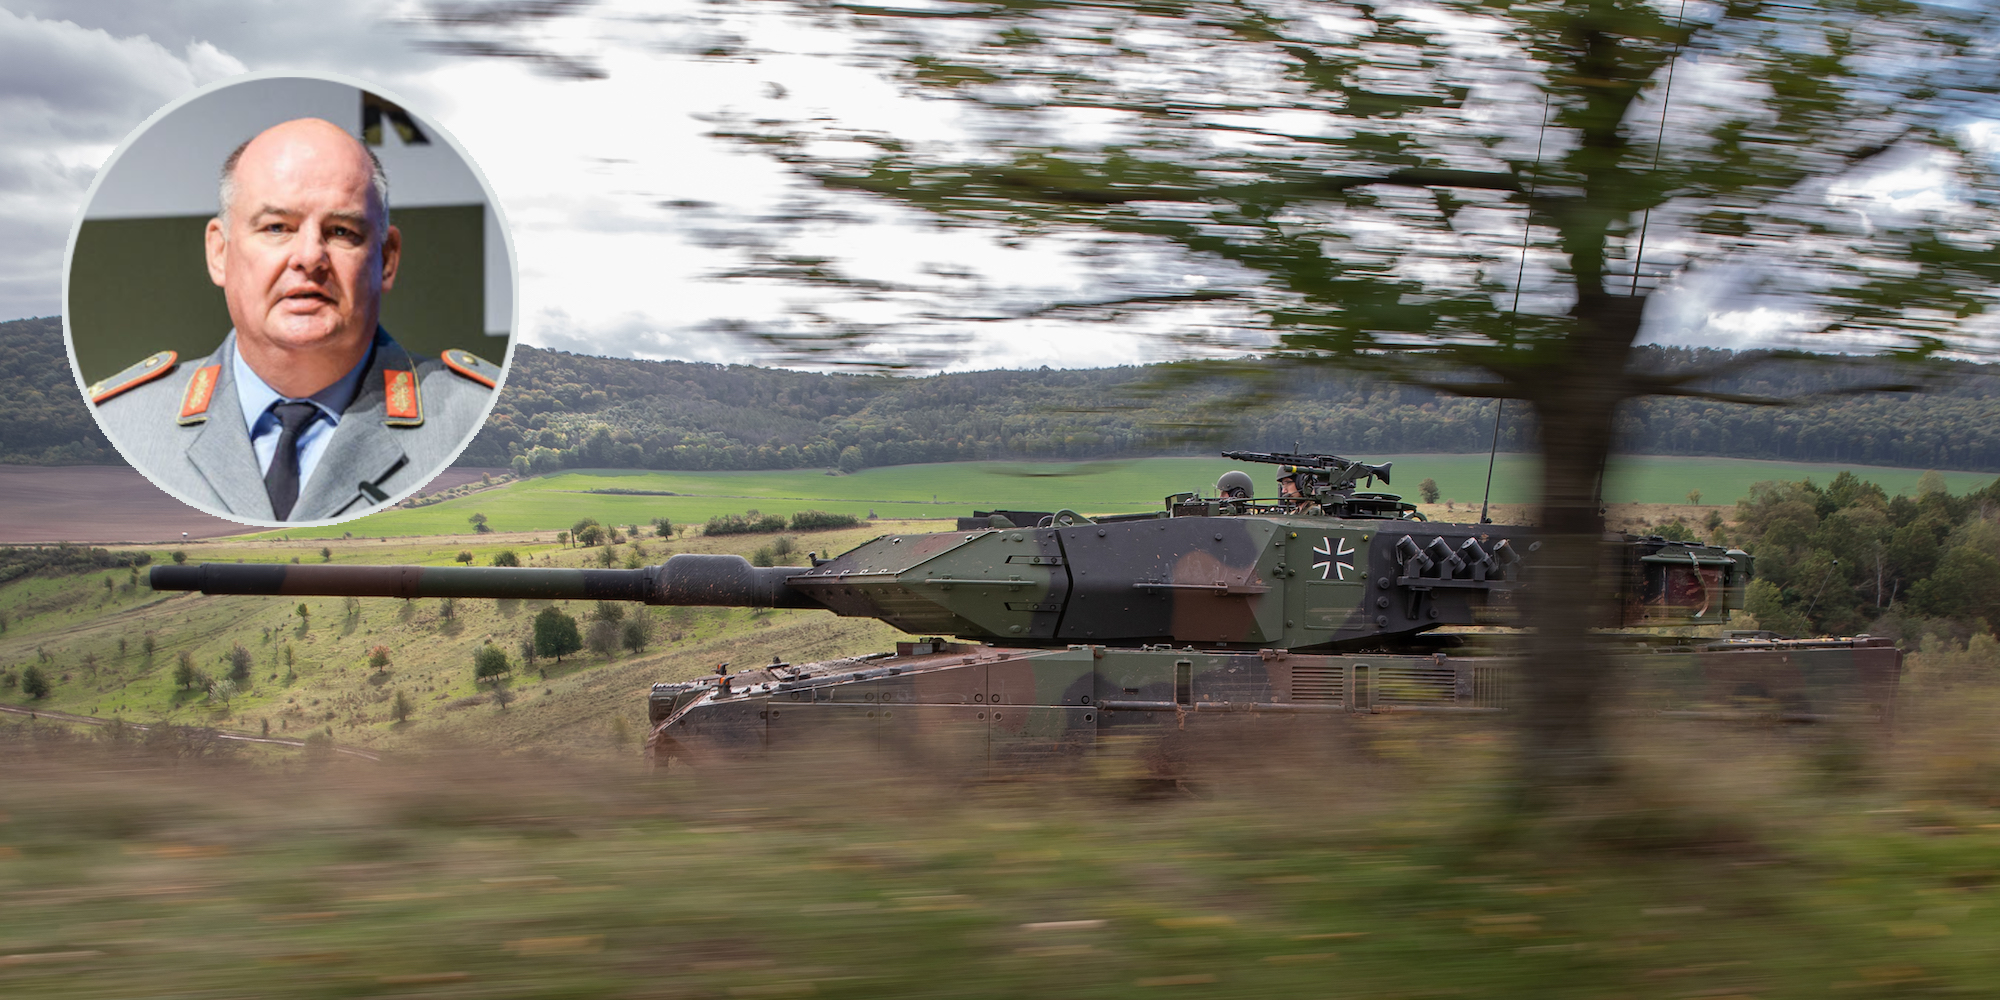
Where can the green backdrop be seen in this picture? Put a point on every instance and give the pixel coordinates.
(141, 285)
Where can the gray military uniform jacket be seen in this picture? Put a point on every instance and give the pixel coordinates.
(378, 453)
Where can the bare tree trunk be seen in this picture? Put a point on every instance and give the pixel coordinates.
(1568, 676)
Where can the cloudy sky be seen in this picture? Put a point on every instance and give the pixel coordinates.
(624, 212)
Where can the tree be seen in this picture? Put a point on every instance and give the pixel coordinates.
(239, 664)
(1492, 217)
(556, 634)
(528, 650)
(35, 682)
(325, 553)
(378, 658)
(465, 556)
(1428, 489)
(179, 557)
(402, 707)
(609, 611)
(1694, 497)
(184, 672)
(602, 637)
(587, 532)
(636, 633)
(304, 613)
(506, 557)
(489, 661)
(662, 528)
(479, 525)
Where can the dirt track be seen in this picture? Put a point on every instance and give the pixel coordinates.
(113, 503)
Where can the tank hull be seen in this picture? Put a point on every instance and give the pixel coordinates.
(973, 704)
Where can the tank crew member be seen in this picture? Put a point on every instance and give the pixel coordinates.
(308, 410)
(1235, 485)
(1292, 490)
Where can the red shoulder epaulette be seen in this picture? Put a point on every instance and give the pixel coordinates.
(472, 366)
(137, 375)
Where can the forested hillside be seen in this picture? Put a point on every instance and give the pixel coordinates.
(43, 420)
(575, 411)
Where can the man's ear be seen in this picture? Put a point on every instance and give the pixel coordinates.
(392, 255)
(218, 251)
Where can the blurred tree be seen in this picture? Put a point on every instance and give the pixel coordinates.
(506, 557)
(1428, 490)
(400, 710)
(35, 682)
(1458, 194)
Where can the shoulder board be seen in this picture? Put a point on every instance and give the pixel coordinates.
(472, 366)
(137, 375)
(199, 393)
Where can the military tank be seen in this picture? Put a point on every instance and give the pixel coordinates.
(1045, 632)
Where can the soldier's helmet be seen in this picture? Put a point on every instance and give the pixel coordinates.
(1235, 484)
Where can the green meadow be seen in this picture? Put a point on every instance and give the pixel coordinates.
(554, 502)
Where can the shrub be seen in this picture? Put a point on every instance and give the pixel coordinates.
(35, 682)
(506, 557)
(819, 520)
(744, 524)
(180, 557)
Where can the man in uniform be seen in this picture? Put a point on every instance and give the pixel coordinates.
(309, 410)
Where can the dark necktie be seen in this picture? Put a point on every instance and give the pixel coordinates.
(281, 480)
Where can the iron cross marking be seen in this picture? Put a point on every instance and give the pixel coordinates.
(1336, 559)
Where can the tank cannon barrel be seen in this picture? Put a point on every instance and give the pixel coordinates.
(700, 580)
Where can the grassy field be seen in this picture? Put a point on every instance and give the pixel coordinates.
(1364, 862)
(552, 503)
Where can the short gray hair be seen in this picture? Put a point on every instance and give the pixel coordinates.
(226, 190)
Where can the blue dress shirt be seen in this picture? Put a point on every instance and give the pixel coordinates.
(256, 397)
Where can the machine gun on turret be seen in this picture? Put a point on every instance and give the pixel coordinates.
(1329, 481)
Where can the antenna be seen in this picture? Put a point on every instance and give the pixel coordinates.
(1491, 454)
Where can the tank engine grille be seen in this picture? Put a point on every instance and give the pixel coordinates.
(1410, 684)
(1326, 684)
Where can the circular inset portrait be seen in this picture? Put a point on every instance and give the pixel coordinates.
(289, 300)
